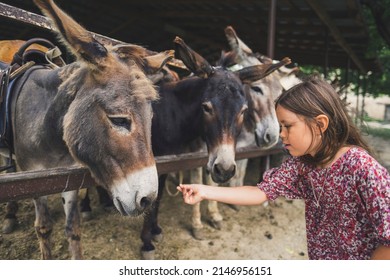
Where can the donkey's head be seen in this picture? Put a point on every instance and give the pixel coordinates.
(261, 93)
(223, 104)
(107, 126)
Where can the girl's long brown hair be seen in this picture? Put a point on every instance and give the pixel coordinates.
(313, 97)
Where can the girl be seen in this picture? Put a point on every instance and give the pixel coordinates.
(346, 191)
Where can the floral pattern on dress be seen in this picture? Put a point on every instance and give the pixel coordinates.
(347, 205)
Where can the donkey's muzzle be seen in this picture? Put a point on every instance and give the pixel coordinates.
(221, 163)
(266, 139)
(137, 192)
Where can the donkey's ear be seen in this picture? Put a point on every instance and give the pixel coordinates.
(157, 61)
(130, 53)
(257, 72)
(235, 43)
(77, 39)
(149, 61)
(194, 61)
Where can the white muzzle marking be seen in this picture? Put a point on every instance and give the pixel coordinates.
(132, 192)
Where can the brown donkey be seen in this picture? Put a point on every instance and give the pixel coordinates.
(95, 112)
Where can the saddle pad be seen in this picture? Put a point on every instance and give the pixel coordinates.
(12, 91)
(5, 112)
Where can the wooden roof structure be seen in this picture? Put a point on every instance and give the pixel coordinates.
(328, 33)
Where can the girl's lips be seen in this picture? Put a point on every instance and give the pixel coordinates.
(286, 146)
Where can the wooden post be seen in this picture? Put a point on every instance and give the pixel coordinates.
(265, 160)
(364, 88)
(326, 62)
(357, 98)
(271, 29)
(346, 81)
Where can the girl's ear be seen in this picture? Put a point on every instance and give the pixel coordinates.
(322, 122)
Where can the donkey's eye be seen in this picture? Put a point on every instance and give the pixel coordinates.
(122, 122)
(207, 107)
(257, 90)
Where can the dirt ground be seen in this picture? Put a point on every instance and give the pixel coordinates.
(271, 232)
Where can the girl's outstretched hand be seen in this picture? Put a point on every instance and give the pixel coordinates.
(191, 193)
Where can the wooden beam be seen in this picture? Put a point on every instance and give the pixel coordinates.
(327, 20)
(29, 184)
(40, 21)
(43, 22)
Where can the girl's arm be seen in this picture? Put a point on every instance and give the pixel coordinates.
(245, 195)
(381, 253)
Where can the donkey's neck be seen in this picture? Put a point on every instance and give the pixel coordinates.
(62, 90)
(178, 117)
(38, 116)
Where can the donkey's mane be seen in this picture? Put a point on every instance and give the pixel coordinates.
(134, 53)
(70, 76)
(144, 87)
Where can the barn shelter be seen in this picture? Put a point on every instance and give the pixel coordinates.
(329, 33)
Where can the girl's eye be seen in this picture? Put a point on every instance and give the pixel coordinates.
(121, 122)
(285, 126)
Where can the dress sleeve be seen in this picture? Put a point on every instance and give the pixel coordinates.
(283, 180)
(374, 188)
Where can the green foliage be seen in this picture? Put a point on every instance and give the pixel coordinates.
(370, 119)
(380, 132)
(375, 84)
(379, 83)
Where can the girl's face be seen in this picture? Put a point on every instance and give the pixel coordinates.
(298, 138)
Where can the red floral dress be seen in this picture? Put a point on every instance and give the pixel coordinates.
(347, 205)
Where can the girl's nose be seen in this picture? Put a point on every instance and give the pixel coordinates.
(282, 134)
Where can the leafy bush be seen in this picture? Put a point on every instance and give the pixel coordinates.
(378, 132)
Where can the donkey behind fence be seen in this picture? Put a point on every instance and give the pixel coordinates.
(211, 105)
(94, 112)
(260, 127)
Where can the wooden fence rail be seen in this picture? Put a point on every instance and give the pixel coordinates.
(22, 185)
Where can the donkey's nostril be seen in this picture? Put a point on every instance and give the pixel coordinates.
(267, 138)
(145, 202)
(234, 170)
(217, 170)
